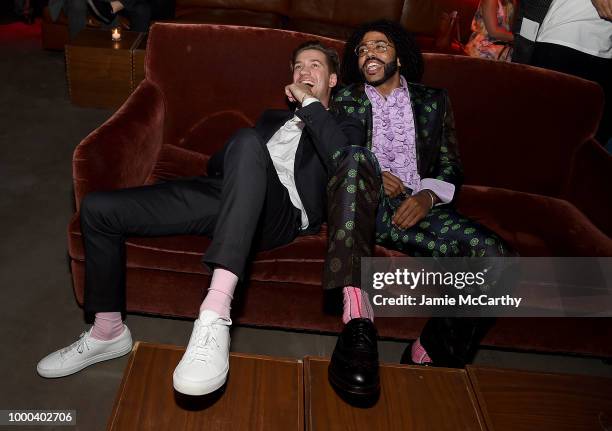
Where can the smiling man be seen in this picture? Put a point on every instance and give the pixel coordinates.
(265, 187)
(397, 192)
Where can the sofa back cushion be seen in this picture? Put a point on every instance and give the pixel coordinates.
(518, 126)
(221, 125)
(204, 69)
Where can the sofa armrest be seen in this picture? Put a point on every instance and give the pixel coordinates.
(122, 152)
(589, 184)
(534, 225)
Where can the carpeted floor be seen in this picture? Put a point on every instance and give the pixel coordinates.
(39, 129)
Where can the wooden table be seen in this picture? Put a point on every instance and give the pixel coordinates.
(411, 398)
(271, 394)
(100, 72)
(262, 393)
(526, 401)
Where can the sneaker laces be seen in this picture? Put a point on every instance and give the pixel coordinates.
(79, 345)
(205, 343)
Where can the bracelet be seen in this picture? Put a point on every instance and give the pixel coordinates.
(430, 193)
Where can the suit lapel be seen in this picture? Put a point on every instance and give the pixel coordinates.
(271, 123)
(424, 110)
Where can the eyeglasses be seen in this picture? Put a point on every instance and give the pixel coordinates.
(378, 46)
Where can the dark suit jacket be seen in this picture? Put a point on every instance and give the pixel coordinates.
(324, 133)
(436, 144)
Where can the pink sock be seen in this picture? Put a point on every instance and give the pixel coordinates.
(356, 304)
(419, 354)
(220, 292)
(107, 326)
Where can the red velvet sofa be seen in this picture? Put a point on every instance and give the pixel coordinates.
(534, 174)
(332, 19)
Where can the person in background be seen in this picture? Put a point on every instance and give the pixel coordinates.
(492, 35)
(570, 36)
(137, 11)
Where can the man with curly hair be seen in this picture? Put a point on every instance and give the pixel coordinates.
(397, 192)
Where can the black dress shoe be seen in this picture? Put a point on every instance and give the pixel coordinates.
(353, 369)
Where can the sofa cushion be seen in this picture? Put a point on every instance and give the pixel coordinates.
(210, 133)
(177, 162)
(533, 230)
(299, 306)
(300, 261)
(534, 225)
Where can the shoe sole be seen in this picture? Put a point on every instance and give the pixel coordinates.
(198, 389)
(52, 374)
(360, 391)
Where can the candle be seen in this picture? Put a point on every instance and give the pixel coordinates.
(116, 34)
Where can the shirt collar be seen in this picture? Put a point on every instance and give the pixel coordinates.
(378, 98)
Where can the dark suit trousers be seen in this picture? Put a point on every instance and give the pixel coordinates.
(246, 210)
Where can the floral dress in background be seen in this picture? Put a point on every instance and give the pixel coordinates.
(484, 46)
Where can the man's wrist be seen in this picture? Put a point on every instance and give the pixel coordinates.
(308, 99)
(434, 197)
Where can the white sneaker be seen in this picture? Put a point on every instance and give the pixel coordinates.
(204, 366)
(84, 352)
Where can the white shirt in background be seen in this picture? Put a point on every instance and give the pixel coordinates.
(576, 24)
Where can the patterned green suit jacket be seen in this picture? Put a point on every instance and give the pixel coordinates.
(436, 144)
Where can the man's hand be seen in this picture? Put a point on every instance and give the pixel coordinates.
(116, 6)
(393, 185)
(604, 8)
(296, 93)
(412, 210)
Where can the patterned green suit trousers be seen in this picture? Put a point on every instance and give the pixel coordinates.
(360, 216)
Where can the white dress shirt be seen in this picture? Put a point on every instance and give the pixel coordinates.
(282, 147)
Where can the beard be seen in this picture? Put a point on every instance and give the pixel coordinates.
(389, 70)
